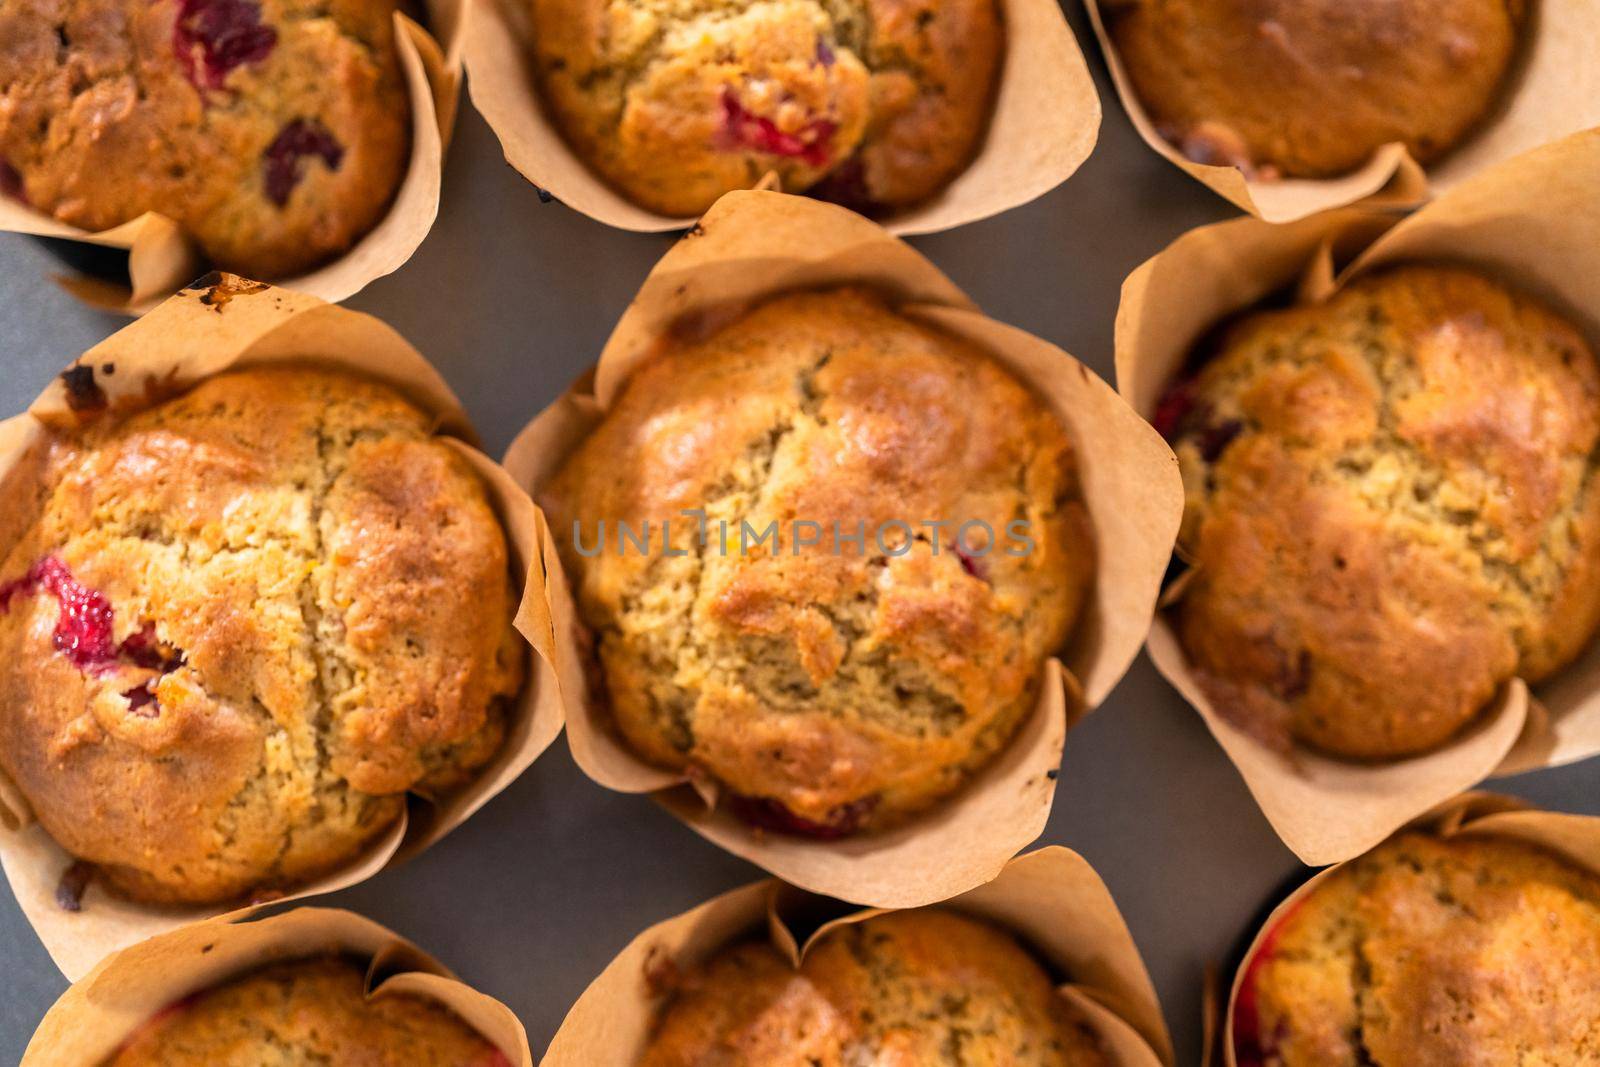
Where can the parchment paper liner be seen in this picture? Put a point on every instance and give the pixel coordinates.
(1552, 91)
(162, 260)
(194, 335)
(125, 990)
(1533, 222)
(753, 245)
(1574, 837)
(1051, 899)
(1045, 121)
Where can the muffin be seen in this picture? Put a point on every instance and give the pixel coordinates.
(928, 988)
(274, 133)
(894, 540)
(241, 624)
(307, 1011)
(1471, 950)
(878, 106)
(1390, 509)
(1312, 88)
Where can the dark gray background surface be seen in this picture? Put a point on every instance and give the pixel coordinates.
(529, 899)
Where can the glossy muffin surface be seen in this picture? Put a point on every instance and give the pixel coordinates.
(274, 132)
(1472, 951)
(307, 1012)
(929, 988)
(1312, 88)
(834, 685)
(1391, 509)
(242, 624)
(674, 103)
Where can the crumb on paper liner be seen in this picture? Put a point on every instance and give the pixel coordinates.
(1576, 838)
(162, 260)
(1552, 91)
(1050, 899)
(227, 323)
(1044, 124)
(1533, 222)
(100, 1011)
(753, 245)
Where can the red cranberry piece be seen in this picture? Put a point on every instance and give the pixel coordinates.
(83, 628)
(1251, 1047)
(140, 699)
(212, 37)
(972, 563)
(743, 129)
(847, 187)
(1215, 438)
(11, 182)
(825, 55)
(281, 162)
(766, 813)
(1173, 408)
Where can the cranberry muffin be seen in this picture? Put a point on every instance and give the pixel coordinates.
(929, 987)
(1312, 88)
(275, 132)
(1473, 950)
(1391, 509)
(829, 682)
(304, 1012)
(242, 624)
(877, 105)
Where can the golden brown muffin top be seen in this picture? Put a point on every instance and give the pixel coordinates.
(926, 988)
(1473, 951)
(676, 102)
(834, 685)
(242, 623)
(1390, 509)
(275, 132)
(1312, 88)
(305, 1012)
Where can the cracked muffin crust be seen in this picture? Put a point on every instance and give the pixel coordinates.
(1473, 951)
(877, 104)
(1390, 508)
(274, 132)
(830, 687)
(930, 988)
(305, 1012)
(1312, 88)
(242, 624)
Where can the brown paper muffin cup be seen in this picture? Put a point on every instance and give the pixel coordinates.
(1575, 838)
(1051, 900)
(161, 259)
(225, 324)
(1533, 222)
(106, 1006)
(1553, 91)
(1044, 124)
(754, 245)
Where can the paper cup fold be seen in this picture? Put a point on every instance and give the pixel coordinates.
(227, 323)
(100, 1011)
(1532, 222)
(161, 259)
(1575, 838)
(1045, 121)
(1051, 900)
(754, 245)
(1552, 91)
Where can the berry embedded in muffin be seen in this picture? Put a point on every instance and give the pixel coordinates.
(928, 987)
(274, 133)
(1467, 950)
(305, 1012)
(1312, 88)
(877, 106)
(241, 624)
(1391, 509)
(838, 642)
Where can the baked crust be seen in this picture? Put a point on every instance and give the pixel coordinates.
(929, 988)
(675, 103)
(243, 624)
(1391, 509)
(841, 686)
